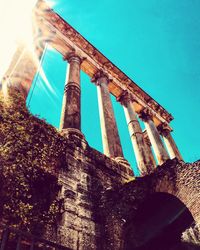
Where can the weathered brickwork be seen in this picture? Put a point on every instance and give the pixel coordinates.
(87, 175)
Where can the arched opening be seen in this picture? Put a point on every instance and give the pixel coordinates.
(158, 224)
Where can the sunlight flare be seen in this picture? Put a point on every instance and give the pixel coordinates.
(16, 27)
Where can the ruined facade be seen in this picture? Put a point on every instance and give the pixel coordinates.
(102, 199)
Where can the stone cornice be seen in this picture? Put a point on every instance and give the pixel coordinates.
(63, 37)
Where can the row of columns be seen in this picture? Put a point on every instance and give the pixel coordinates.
(144, 160)
(71, 118)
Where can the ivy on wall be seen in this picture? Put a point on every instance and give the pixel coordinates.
(31, 153)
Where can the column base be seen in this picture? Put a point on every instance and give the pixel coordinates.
(122, 160)
(73, 131)
(74, 134)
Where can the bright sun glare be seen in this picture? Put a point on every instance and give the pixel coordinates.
(16, 26)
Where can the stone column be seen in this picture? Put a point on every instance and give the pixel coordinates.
(156, 142)
(169, 141)
(70, 116)
(110, 137)
(148, 144)
(144, 161)
(21, 71)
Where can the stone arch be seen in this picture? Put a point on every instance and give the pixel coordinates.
(181, 180)
(158, 223)
(121, 205)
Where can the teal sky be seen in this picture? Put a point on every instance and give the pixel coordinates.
(155, 42)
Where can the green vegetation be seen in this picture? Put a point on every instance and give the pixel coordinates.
(31, 153)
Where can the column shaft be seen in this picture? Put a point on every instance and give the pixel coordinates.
(110, 137)
(171, 146)
(70, 116)
(156, 142)
(149, 149)
(143, 159)
(21, 71)
(144, 162)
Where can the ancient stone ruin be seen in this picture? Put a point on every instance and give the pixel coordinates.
(100, 203)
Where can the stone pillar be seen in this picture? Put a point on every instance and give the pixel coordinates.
(144, 161)
(156, 142)
(21, 71)
(148, 144)
(169, 141)
(70, 116)
(110, 137)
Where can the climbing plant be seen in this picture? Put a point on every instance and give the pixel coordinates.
(31, 153)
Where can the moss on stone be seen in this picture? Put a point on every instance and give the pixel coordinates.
(31, 153)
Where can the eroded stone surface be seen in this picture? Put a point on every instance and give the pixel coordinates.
(178, 179)
(100, 200)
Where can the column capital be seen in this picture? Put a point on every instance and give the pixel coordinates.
(164, 128)
(145, 114)
(73, 57)
(125, 97)
(99, 74)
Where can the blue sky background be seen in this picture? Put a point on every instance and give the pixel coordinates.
(155, 42)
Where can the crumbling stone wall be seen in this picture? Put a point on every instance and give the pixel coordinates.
(87, 175)
(179, 179)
